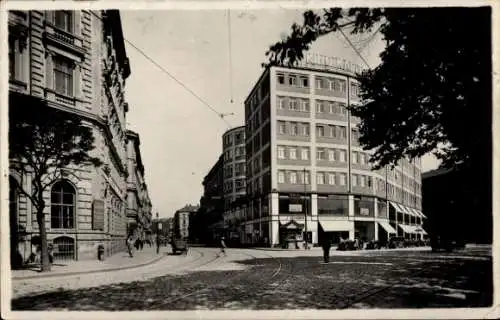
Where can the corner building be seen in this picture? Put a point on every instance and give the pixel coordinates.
(74, 61)
(303, 159)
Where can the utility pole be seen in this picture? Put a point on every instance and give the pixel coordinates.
(306, 246)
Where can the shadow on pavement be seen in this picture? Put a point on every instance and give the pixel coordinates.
(304, 282)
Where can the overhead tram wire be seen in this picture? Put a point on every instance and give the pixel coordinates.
(219, 114)
(230, 53)
(354, 48)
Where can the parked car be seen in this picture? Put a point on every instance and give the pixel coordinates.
(179, 245)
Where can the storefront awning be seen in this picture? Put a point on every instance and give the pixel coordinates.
(292, 225)
(396, 206)
(337, 225)
(387, 227)
(421, 214)
(406, 228)
(419, 229)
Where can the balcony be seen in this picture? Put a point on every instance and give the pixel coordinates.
(64, 39)
(53, 96)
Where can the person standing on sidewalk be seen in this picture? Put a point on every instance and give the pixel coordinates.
(326, 250)
(222, 247)
(130, 244)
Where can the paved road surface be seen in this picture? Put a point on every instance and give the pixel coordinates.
(257, 279)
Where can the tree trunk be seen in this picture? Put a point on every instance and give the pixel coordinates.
(40, 217)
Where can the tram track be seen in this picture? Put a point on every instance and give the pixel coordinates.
(243, 275)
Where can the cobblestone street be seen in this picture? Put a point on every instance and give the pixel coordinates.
(258, 279)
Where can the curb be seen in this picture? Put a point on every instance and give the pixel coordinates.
(76, 273)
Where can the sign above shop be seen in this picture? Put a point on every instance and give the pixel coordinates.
(315, 60)
(295, 208)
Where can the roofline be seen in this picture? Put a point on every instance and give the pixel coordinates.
(234, 129)
(262, 75)
(269, 67)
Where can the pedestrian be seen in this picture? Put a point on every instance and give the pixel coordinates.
(326, 250)
(130, 244)
(222, 246)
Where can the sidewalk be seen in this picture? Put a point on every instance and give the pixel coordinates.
(119, 261)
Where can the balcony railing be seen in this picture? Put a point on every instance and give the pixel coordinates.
(63, 38)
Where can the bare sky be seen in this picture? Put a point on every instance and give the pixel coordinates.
(180, 136)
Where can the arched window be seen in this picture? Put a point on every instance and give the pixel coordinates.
(62, 215)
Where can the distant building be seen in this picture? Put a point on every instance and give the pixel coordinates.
(139, 213)
(181, 220)
(162, 226)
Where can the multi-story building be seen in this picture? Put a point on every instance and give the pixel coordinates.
(211, 203)
(181, 220)
(139, 205)
(233, 150)
(75, 61)
(303, 159)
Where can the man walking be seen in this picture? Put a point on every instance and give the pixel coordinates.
(222, 247)
(326, 250)
(130, 244)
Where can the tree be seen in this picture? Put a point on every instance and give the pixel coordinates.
(432, 90)
(43, 141)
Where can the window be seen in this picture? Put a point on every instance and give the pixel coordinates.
(282, 127)
(320, 178)
(320, 131)
(361, 158)
(305, 154)
(293, 177)
(331, 178)
(319, 83)
(354, 180)
(293, 105)
(342, 109)
(331, 155)
(342, 178)
(304, 105)
(304, 82)
(281, 103)
(292, 153)
(63, 76)
(281, 78)
(292, 80)
(62, 206)
(342, 132)
(294, 129)
(304, 178)
(281, 177)
(354, 135)
(320, 107)
(281, 152)
(320, 154)
(362, 181)
(305, 129)
(63, 20)
(342, 155)
(354, 157)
